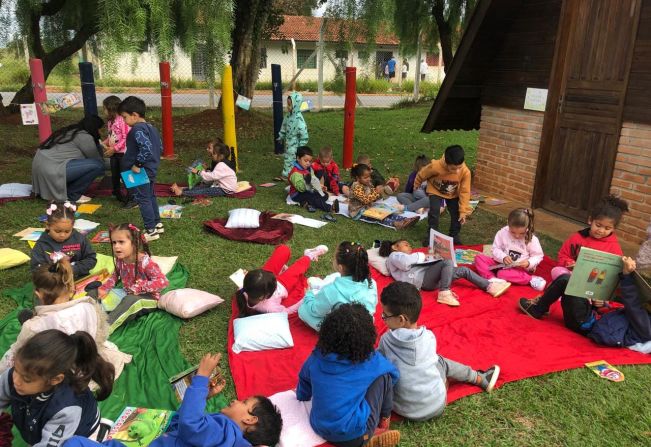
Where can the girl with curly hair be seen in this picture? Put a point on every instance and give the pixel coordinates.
(355, 284)
(350, 384)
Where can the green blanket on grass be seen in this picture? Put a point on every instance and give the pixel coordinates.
(152, 340)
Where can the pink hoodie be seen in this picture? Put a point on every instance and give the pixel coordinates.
(506, 245)
(222, 176)
(117, 134)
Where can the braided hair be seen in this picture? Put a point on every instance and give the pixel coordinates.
(353, 259)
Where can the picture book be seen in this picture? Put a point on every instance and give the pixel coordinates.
(501, 266)
(80, 284)
(28, 114)
(442, 246)
(465, 256)
(238, 278)
(379, 211)
(182, 381)
(300, 220)
(84, 226)
(195, 179)
(101, 237)
(170, 211)
(138, 427)
(88, 208)
(606, 371)
(112, 299)
(595, 275)
(30, 234)
(132, 179)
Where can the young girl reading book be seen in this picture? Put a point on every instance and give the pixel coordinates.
(47, 389)
(62, 240)
(264, 289)
(516, 252)
(141, 277)
(363, 193)
(218, 181)
(403, 264)
(355, 284)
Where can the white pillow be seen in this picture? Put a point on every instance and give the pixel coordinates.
(187, 303)
(297, 431)
(243, 218)
(166, 263)
(378, 262)
(262, 332)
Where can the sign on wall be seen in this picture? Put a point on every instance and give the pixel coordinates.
(535, 99)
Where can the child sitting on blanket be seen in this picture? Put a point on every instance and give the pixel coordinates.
(363, 193)
(517, 249)
(142, 279)
(421, 391)
(54, 287)
(254, 421)
(304, 186)
(47, 389)
(390, 186)
(62, 240)
(415, 199)
(349, 382)
(264, 289)
(355, 284)
(600, 235)
(327, 170)
(218, 181)
(402, 263)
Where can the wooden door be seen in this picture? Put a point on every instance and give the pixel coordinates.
(587, 92)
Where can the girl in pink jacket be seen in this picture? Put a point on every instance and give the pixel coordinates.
(115, 145)
(516, 252)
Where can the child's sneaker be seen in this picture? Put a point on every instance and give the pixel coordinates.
(314, 253)
(529, 307)
(537, 283)
(384, 438)
(335, 206)
(160, 229)
(487, 379)
(151, 235)
(497, 288)
(448, 297)
(84, 199)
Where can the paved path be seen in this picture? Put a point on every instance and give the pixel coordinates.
(260, 100)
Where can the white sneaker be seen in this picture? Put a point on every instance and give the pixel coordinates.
(160, 229)
(448, 297)
(496, 279)
(151, 235)
(496, 289)
(314, 253)
(84, 199)
(537, 283)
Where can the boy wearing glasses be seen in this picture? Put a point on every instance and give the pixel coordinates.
(421, 391)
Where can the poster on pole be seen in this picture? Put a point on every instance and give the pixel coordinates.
(28, 114)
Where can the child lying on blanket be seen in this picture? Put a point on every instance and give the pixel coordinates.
(54, 287)
(363, 193)
(350, 384)
(355, 284)
(264, 289)
(219, 181)
(421, 391)
(254, 421)
(402, 263)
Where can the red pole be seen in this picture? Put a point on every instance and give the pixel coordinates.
(166, 109)
(40, 97)
(349, 117)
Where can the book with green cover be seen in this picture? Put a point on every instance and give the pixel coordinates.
(138, 427)
(595, 275)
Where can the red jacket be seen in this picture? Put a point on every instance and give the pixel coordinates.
(570, 250)
(330, 173)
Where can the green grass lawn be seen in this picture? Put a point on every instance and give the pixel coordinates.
(567, 408)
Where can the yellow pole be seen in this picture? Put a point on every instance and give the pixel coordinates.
(228, 112)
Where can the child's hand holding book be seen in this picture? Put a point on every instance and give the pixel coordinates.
(209, 367)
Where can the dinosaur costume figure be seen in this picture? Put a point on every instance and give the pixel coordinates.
(293, 131)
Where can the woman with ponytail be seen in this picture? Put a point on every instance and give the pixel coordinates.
(54, 287)
(354, 285)
(47, 388)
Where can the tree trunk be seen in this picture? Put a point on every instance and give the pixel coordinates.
(445, 33)
(250, 20)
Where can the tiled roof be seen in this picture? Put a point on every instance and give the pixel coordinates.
(306, 29)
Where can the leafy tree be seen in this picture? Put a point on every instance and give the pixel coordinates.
(57, 29)
(296, 7)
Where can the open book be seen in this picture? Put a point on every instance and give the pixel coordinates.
(441, 246)
(595, 275)
(138, 427)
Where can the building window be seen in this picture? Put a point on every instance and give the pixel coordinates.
(263, 58)
(341, 55)
(302, 57)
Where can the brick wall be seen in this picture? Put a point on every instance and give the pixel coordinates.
(507, 153)
(632, 179)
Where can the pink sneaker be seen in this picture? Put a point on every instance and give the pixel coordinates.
(314, 253)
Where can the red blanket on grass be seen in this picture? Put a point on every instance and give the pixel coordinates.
(481, 332)
(271, 231)
(104, 188)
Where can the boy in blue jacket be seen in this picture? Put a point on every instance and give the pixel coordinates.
(254, 421)
(350, 384)
(143, 152)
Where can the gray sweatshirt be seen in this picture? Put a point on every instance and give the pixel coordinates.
(420, 393)
(401, 266)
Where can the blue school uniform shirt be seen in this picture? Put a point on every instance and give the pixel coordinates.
(144, 148)
(338, 388)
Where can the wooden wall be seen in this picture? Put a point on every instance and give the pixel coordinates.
(637, 106)
(525, 58)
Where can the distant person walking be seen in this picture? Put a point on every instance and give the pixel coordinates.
(391, 65)
(423, 69)
(405, 69)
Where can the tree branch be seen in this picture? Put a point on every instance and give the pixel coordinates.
(52, 7)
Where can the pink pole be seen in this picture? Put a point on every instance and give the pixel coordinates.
(166, 111)
(349, 116)
(40, 97)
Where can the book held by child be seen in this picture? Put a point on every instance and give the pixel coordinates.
(595, 275)
(138, 427)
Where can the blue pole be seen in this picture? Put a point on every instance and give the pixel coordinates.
(277, 92)
(88, 88)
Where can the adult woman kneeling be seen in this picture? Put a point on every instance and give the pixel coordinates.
(68, 161)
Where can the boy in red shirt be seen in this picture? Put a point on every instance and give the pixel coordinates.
(327, 170)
